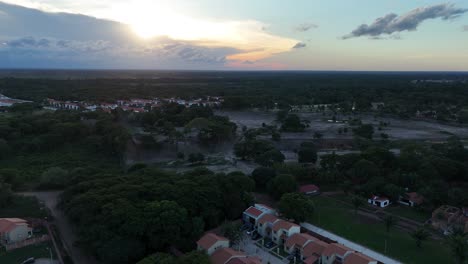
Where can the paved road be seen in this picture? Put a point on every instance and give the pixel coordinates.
(64, 226)
(357, 247)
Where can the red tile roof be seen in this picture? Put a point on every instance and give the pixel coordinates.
(335, 249)
(315, 248)
(8, 224)
(252, 211)
(209, 239)
(281, 224)
(299, 239)
(357, 258)
(379, 198)
(222, 256)
(311, 260)
(245, 260)
(267, 218)
(309, 188)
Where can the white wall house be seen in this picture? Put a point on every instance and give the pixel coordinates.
(14, 230)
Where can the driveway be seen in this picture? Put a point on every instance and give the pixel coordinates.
(352, 245)
(65, 228)
(249, 247)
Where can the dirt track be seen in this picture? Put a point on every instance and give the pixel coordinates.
(64, 226)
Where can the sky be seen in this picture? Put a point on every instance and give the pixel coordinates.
(359, 35)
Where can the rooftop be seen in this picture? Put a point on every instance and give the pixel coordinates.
(209, 239)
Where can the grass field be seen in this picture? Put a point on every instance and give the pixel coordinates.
(341, 220)
(17, 256)
(409, 212)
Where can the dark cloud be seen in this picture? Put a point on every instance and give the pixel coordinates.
(393, 23)
(300, 45)
(305, 27)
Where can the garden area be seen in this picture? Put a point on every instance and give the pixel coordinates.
(340, 219)
(19, 255)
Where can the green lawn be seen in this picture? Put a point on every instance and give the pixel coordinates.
(19, 255)
(23, 207)
(409, 212)
(340, 219)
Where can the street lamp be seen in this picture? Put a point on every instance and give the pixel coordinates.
(50, 251)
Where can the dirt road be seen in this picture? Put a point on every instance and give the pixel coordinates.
(64, 226)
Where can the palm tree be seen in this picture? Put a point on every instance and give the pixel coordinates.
(458, 242)
(357, 202)
(419, 236)
(389, 221)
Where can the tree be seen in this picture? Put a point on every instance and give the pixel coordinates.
(364, 130)
(419, 236)
(389, 221)
(292, 123)
(194, 257)
(196, 158)
(318, 135)
(458, 243)
(262, 175)
(54, 177)
(270, 157)
(296, 206)
(357, 202)
(307, 153)
(363, 170)
(232, 231)
(5, 149)
(281, 184)
(6, 195)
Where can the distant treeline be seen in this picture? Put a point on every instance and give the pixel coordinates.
(267, 90)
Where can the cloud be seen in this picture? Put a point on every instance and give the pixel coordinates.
(54, 37)
(300, 45)
(465, 28)
(305, 27)
(393, 23)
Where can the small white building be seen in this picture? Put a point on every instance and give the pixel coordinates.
(254, 213)
(379, 201)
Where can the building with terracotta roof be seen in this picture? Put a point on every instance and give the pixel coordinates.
(309, 189)
(231, 256)
(411, 199)
(254, 213)
(282, 230)
(14, 230)
(296, 242)
(313, 251)
(211, 242)
(335, 253)
(358, 258)
(379, 201)
(265, 224)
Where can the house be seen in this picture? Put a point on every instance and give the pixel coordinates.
(296, 242)
(231, 256)
(282, 230)
(265, 224)
(211, 242)
(14, 230)
(335, 253)
(309, 189)
(411, 199)
(313, 251)
(253, 213)
(379, 201)
(358, 258)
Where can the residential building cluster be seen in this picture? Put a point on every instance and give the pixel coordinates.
(7, 101)
(136, 105)
(303, 247)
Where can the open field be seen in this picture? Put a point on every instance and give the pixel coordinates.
(341, 220)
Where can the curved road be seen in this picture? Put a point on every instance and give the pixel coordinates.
(64, 226)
